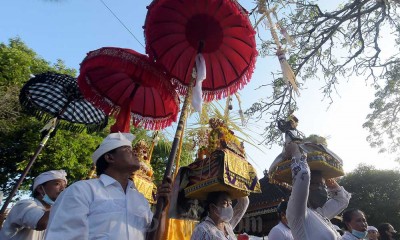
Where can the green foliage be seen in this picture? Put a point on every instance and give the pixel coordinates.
(316, 139)
(161, 153)
(376, 192)
(384, 121)
(18, 62)
(20, 134)
(332, 45)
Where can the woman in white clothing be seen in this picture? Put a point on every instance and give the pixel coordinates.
(221, 218)
(309, 210)
(355, 223)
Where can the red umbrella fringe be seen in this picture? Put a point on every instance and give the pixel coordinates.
(151, 123)
(95, 98)
(210, 95)
(111, 109)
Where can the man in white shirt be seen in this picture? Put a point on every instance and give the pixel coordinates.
(109, 207)
(28, 218)
(309, 210)
(281, 231)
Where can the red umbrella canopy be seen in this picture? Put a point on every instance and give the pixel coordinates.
(176, 31)
(128, 84)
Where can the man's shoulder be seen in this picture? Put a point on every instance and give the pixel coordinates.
(82, 186)
(25, 203)
(85, 183)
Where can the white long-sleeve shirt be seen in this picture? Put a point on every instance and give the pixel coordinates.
(207, 230)
(22, 220)
(99, 209)
(311, 224)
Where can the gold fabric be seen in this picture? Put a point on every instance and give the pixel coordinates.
(316, 162)
(145, 187)
(225, 171)
(179, 229)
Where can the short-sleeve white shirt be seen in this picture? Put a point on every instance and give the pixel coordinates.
(22, 220)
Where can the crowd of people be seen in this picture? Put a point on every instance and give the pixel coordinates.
(110, 207)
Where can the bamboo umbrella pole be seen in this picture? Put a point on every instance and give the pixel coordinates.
(153, 143)
(161, 201)
(91, 172)
(178, 156)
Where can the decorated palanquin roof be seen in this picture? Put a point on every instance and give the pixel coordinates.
(271, 195)
(261, 215)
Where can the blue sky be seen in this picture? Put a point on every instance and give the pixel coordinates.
(68, 29)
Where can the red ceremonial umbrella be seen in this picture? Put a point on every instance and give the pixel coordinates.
(126, 83)
(176, 31)
(214, 35)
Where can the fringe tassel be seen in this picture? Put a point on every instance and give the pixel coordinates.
(211, 95)
(287, 71)
(283, 184)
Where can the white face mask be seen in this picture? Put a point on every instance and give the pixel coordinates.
(46, 198)
(225, 213)
(358, 234)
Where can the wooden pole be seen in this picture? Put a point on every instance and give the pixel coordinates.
(27, 169)
(153, 143)
(152, 234)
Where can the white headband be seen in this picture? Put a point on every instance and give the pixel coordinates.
(112, 141)
(48, 176)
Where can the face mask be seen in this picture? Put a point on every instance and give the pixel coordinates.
(358, 234)
(318, 197)
(225, 214)
(47, 199)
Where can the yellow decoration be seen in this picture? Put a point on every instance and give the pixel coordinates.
(143, 178)
(223, 171)
(177, 229)
(221, 137)
(317, 161)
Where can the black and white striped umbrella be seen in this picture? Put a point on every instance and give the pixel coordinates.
(52, 95)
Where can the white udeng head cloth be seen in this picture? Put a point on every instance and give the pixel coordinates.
(48, 176)
(112, 141)
(372, 228)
